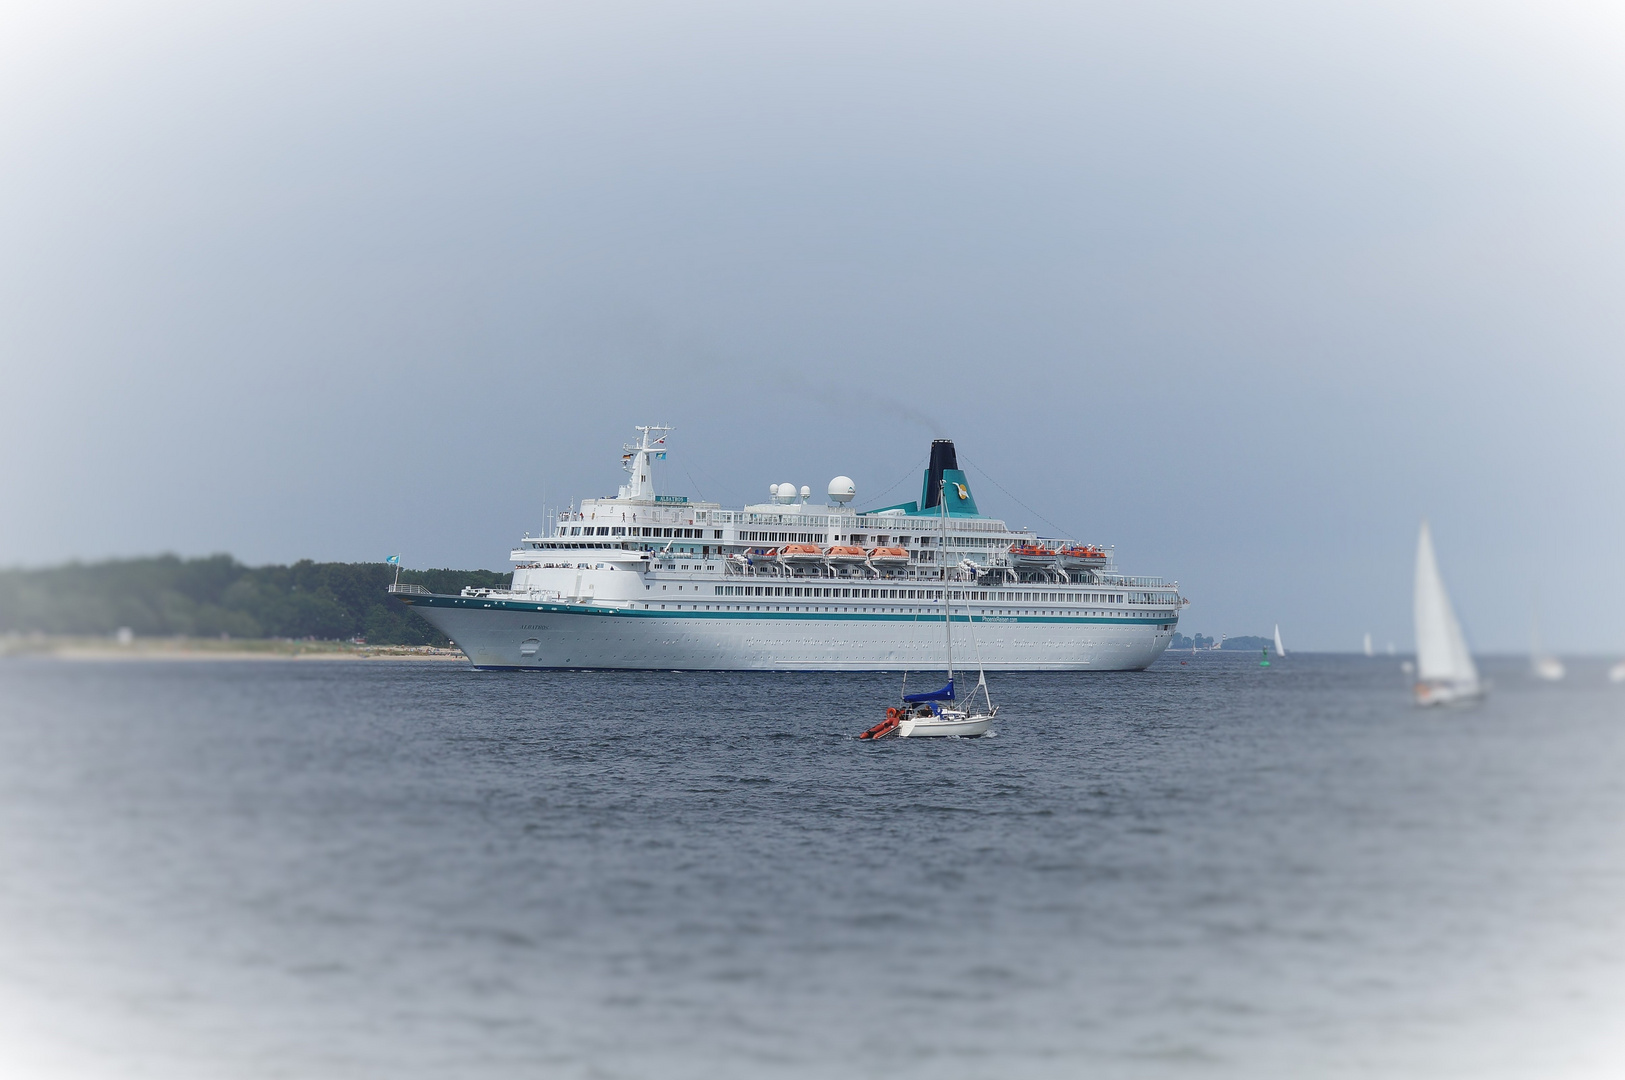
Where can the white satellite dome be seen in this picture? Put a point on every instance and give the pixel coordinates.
(806, 492)
(787, 492)
(842, 489)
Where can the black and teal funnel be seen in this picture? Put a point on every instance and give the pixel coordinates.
(944, 476)
(941, 476)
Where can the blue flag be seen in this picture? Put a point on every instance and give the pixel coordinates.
(394, 560)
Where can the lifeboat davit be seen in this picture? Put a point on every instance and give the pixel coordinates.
(1082, 555)
(801, 553)
(762, 555)
(1032, 555)
(842, 553)
(889, 556)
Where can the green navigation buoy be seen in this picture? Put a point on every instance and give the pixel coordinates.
(1265, 662)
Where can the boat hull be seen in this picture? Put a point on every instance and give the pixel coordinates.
(968, 727)
(1447, 693)
(497, 633)
(1549, 668)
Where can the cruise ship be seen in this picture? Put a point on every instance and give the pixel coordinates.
(651, 581)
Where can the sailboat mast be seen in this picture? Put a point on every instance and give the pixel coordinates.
(947, 613)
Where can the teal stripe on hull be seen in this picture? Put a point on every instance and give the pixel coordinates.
(478, 604)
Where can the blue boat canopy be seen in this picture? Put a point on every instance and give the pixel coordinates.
(945, 694)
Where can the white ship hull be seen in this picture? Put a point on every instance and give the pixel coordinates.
(513, 634)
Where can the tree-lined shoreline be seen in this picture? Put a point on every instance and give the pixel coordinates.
(215, 596)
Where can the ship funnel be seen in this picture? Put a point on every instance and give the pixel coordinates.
(945, 467)
(943, 459)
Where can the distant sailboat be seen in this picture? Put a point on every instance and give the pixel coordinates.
(1445, 672)
(1617, 672)
(1280, 650)
(1368, 649)
(1542, 663)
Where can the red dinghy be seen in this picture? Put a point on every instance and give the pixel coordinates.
(886, 727)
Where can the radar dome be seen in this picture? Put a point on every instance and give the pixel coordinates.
(806, 492)
(787, 491)
(842, 489)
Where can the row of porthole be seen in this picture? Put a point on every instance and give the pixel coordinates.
(929, 612)
(651, 533)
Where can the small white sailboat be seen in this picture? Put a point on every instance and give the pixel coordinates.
(1368, 650)
(937, 718)
(1617, 672)
(1280, 650)
(1445, 672)
(1542, 663)
(937, 712)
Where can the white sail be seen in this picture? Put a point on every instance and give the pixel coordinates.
(1280, 650)
(1441, 651)
(1368, 650)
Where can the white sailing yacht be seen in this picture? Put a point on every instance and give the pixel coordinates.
(1368, 649)
(1542, 663)
(936, 712)
(1280, 650)
(1445, 672)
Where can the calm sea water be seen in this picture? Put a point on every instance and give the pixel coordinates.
(1207, 869)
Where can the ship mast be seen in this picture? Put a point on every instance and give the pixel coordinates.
(947, 610)
(635, 458)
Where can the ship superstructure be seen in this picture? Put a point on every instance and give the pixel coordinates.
(651, 581)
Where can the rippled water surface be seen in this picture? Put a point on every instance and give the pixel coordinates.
(415, 870)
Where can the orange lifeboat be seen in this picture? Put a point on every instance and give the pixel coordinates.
(1082, 555)
(842, 553)
(1031, 555)
(889, 556)
(800, 553)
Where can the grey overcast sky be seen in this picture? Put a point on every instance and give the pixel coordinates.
(1245, 289)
